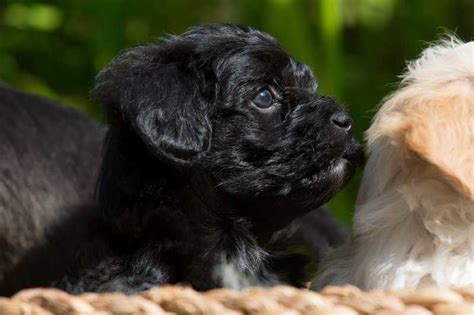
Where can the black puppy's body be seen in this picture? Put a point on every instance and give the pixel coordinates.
(174, 230)
(49, 161)
(218, 141)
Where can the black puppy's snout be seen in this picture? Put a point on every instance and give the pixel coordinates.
(342, 121)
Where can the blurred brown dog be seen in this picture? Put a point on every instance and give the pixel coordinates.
(414, 222)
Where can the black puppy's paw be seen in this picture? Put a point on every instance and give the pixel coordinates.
(103, 269)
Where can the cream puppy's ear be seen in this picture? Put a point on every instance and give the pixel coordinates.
(441, 132)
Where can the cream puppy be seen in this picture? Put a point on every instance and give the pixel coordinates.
(414, 220)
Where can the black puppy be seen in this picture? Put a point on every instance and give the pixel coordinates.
(218, 140)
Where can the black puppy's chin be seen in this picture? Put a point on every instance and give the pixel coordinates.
(274, 212)
(344, 167)
(317, 189)
(341, 172)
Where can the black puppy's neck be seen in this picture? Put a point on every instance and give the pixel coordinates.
(143, 197)
(148, 203)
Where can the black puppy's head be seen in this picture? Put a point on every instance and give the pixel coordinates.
(230, 101)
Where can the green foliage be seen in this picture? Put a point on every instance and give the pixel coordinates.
(357, 47)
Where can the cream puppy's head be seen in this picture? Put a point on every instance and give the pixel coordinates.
(426, 128)
(414, 217)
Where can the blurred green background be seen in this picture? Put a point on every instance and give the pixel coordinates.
(356, 47)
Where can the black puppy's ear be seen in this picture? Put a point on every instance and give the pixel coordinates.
(158, 91)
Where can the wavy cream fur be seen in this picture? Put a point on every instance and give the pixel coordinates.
(414, 220)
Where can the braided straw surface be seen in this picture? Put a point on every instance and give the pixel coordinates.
(346, 300)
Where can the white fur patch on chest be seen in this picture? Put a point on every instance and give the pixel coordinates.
(235, 274)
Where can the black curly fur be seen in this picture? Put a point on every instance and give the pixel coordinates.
(196, 180)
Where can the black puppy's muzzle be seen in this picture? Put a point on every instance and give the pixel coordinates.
(339, 127)
(334, 114)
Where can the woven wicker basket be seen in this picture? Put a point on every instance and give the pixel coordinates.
(277, 300)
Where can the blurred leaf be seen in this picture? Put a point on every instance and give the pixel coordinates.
(375, 13)
(16, 15)
(39, 16)
(31, 83)
(137, 30)
(331, 28)
(44, 17)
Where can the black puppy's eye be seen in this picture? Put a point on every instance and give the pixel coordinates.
(263, 99)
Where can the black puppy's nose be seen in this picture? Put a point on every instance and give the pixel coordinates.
(342, 120)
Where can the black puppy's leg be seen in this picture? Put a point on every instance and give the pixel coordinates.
(316, 231)
(303, 243)
(101, 269)
(319, 229)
